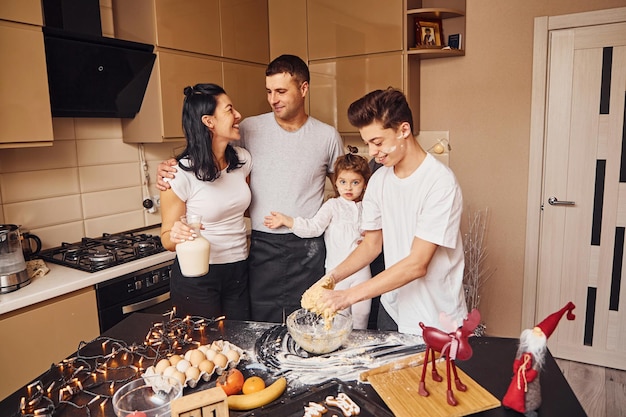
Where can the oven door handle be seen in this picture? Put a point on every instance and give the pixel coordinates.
(131, 308)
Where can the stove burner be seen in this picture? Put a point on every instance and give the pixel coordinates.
(101, 257)
(94, 254)
(73, 253)
(145, 245)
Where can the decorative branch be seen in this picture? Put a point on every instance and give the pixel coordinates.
(475, 274)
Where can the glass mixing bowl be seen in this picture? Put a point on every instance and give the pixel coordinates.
(149, 396)
(310, 332)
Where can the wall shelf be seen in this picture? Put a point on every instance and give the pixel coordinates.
(435, 13)
(452, 20)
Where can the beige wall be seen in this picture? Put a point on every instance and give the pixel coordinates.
(87, 183)
(483, 99)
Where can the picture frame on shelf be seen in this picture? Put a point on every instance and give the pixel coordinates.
(428, 33)
(455, 41)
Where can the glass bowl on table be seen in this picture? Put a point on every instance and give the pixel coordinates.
(311, 333)
(148, 396)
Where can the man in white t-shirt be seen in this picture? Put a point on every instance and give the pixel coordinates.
(415, 202)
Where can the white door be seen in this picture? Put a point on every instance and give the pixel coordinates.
(582, 253)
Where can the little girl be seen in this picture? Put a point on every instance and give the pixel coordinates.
(339, 219)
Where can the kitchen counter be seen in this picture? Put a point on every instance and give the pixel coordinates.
(490, 366)
(61, 280)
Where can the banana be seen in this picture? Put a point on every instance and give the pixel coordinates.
(242, 402)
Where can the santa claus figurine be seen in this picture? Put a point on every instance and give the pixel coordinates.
(524, 393)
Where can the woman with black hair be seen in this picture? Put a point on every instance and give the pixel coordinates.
(212, 182)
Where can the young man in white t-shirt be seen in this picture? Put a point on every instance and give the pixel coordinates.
(415, 202)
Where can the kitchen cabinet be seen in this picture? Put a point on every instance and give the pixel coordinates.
(245, 85)
(245, 30)
(23, 11)
(160, 117)
(353, 27)
(288, 20)
(34, 337)
(201, 41)
(336, 83)
(354, 47)
(237, 29)
(25, 116)
(190, 25)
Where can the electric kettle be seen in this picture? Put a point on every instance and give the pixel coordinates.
(13, 274)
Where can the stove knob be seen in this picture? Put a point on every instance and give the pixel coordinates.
(155, 278)
(138, 285)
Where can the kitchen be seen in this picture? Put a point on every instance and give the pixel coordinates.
(91, 181)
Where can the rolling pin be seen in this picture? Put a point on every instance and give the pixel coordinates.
(413, 360)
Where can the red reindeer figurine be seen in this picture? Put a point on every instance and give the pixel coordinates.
(454, 345)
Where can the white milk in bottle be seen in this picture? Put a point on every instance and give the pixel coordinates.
(193, 255)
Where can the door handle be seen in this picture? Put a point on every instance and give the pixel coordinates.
(131, 308)
(553, 201)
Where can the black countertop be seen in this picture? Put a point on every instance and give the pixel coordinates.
(490, 366)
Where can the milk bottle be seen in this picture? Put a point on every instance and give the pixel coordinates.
(193, 255)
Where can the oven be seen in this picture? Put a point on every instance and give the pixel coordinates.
(144, 290)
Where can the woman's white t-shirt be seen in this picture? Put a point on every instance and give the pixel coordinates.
(222, 204)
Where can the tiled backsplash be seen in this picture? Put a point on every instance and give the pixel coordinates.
(87, 183)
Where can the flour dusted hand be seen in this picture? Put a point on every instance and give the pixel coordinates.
(312, 299)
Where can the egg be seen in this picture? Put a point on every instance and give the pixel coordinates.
(192, 373)
(174, 359)
(161, 365)
(169, 371)
(233, 356)
(203, 348)
(220, 360)
(206, 366)
(210, 354)
(196, 357)
(182, 365)
(180, 376)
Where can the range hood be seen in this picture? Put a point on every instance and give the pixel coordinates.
(90, 75)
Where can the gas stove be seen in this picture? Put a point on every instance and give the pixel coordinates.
(106, 251)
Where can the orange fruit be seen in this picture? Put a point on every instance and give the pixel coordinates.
(253, 384)
(231, 381)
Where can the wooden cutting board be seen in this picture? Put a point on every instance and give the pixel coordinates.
(399, 390)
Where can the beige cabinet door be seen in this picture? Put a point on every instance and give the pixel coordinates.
(160, 116)
(582, 242)
(25, 116)
(67, 320)
(190, 25)
(24, 11)
(353, 27)
(245, 85)
(336, 83)
(245, 30)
